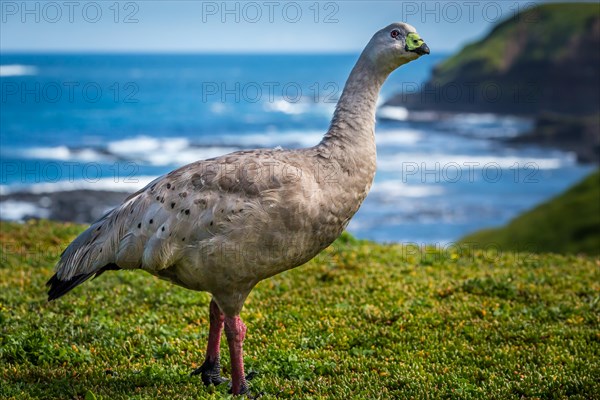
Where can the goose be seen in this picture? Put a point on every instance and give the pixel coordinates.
(224, 224)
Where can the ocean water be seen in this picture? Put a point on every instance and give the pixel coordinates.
(114, 122)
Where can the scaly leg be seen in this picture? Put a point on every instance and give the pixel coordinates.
(211, 368)
(235, 330)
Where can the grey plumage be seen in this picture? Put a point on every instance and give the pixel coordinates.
(223, 225)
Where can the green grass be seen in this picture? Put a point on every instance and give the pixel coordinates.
(363, 321)
(568, 223)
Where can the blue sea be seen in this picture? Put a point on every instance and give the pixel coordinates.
(114, 122)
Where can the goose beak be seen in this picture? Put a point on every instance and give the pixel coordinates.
(415, 44)
(423, 49)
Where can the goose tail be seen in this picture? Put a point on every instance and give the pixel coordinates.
(58, 287)
(89, 255)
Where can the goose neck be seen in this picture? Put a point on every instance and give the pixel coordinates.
(353, 122)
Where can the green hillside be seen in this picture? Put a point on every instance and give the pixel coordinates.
(569, 223)
(363, 321)
(542, 60)
(544, 33)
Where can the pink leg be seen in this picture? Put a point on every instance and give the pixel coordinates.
(235, 330)
(214, 334)
(211, 368)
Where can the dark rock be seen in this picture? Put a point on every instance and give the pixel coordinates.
(82, 206)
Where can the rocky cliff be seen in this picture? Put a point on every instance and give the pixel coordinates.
(542, 63)
(545, 59)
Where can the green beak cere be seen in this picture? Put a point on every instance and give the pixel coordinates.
(413, 41)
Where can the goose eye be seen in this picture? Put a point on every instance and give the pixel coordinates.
(395, 33)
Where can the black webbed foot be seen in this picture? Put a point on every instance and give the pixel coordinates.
(245, 389)
(210, 373)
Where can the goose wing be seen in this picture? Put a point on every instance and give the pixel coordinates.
(153, 226)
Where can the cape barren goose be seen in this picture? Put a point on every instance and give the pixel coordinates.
(224, 224)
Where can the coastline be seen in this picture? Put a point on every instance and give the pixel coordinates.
(79, 206)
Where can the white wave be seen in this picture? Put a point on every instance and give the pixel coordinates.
(393, 113)
(126, 185)
(286, 107)
(176, 151)
(486, 118)
(218, 108)
(51, 153)
(308, 138)
(88, 155)
(425, 116)
(186, 156)
(17, 70)
(436, 162)
(398, 137)
(62, 153)
(273, 139)
(12, 210)
(164, 151)
(469, 118)
(489, 125)
(394, 190)
(144, 144)
(302, 106)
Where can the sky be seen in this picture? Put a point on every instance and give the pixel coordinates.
(238, 26)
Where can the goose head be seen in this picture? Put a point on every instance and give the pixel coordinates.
(396, 45)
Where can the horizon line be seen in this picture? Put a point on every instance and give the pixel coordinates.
(183, 52)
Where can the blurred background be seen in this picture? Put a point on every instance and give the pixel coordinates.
(99, 98)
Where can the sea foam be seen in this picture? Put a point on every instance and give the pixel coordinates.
(17, 70)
